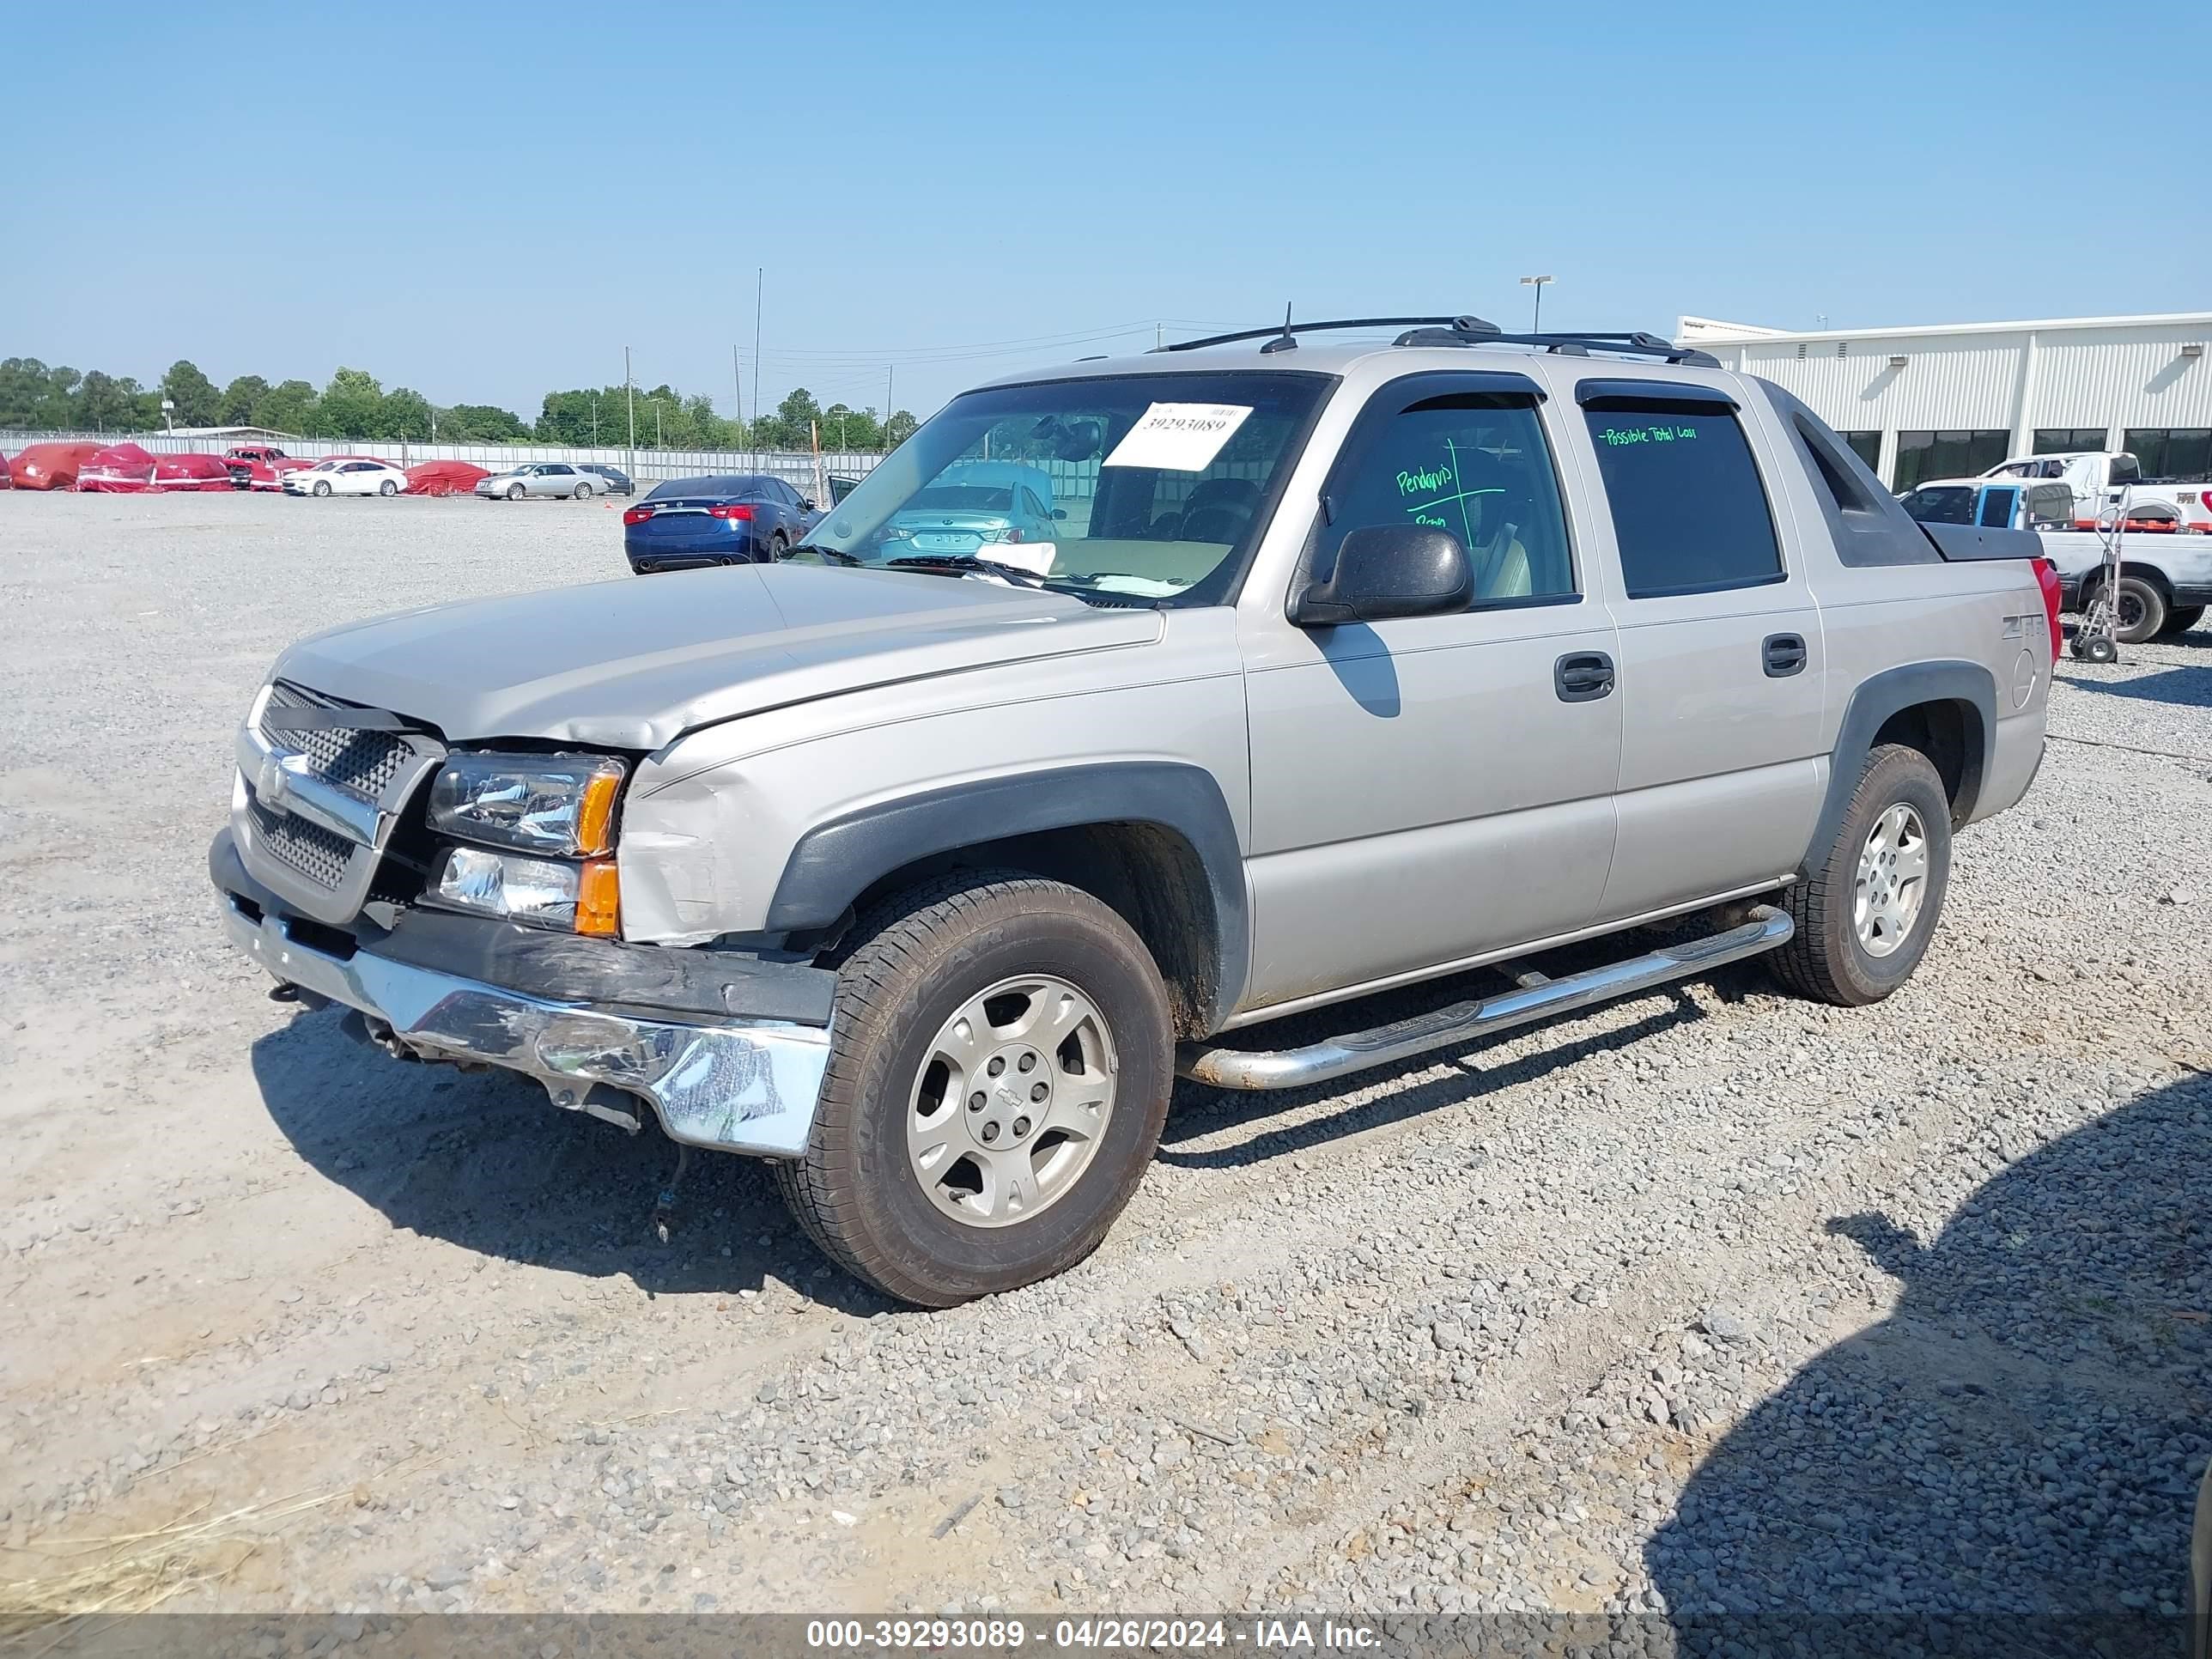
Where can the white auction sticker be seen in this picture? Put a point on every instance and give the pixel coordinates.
(1178, 437)
(1034, 557)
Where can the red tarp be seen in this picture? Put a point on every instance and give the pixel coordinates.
(118, 468)
(444, 478)
(192, 472)
(6, 478)
(51, 467)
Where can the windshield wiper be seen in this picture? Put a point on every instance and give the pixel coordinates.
(834, 554)
(963, 561)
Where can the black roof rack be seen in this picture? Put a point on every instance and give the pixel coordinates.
(1463, 331)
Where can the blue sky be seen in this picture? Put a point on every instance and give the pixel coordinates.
(486, 205)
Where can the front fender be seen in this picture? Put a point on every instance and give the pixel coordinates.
(834, 863)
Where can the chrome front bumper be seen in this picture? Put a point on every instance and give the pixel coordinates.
(743, 1086)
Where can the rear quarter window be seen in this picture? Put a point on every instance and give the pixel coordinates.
(1689, 510)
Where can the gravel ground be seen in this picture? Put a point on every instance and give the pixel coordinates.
(1711, 1302)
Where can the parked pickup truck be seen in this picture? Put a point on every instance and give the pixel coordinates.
(2107, 483)
(925, 872)
(2164, 581)
(260, 466)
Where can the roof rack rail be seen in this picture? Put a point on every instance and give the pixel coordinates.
(1465, 331)
(1287, 329)
(1635, 344)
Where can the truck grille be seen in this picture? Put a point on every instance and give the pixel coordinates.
(363, 764)
(307, 849)
(317, 837)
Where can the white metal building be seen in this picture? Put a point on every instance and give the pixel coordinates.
(1951, 401)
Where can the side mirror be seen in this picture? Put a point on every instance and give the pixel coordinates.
(807, 502)
(1389, 570)
(1059, 513)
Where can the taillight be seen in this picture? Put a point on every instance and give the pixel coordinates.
(636, 514)
(730, 510)
(2046, 578)
(2205, 496)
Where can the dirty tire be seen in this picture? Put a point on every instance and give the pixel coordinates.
(917, 958)
(1826, 960)
(2180, 620)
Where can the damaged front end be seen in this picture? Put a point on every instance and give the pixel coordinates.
(477, 927)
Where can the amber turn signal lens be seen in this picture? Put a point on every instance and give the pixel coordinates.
(598, 899)
(595, 816)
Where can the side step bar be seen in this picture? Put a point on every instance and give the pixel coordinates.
(1385, 1045)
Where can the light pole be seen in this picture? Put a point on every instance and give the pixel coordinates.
(1536, 322)
(595, 420)
(630, 396)
(658, 442)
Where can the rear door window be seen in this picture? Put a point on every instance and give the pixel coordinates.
(1689, 509)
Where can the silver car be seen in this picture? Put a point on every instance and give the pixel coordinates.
(541, 478)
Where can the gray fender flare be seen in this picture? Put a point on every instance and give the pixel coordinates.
(834, 862)
(1888, 693)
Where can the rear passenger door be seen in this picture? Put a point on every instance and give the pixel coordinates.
(1720, 659)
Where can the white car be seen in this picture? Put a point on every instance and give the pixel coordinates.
(344, 475)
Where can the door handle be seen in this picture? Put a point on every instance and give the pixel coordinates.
(1582, 676)
(1784, 654)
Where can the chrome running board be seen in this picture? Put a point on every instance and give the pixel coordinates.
(1385, 1045)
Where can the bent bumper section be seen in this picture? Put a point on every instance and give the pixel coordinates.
(735, 1085)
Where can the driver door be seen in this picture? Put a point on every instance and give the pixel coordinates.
(1427, 789)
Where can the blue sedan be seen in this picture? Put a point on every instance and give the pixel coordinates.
(688, 523)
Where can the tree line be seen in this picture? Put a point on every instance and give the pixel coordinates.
(355, 405)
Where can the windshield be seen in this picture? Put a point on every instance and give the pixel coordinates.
(1144, 489)
(1949, 504)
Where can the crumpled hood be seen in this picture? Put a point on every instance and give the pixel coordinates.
(635, 663)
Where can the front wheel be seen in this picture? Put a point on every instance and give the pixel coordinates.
(322, 486)
(515, 492)
(1866, 911)
(1000, 1070)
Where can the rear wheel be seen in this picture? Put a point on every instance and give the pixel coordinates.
(1000, 1071)
(389, 487)
(1865, 913)
(2140, 607)
(583, 492)
(2180, 619)
(777, 547)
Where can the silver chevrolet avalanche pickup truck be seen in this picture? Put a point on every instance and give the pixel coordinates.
(1127, 706)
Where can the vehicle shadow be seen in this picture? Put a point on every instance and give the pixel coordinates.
(2188, 687)
(2006, 1464)
(485, 1161)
